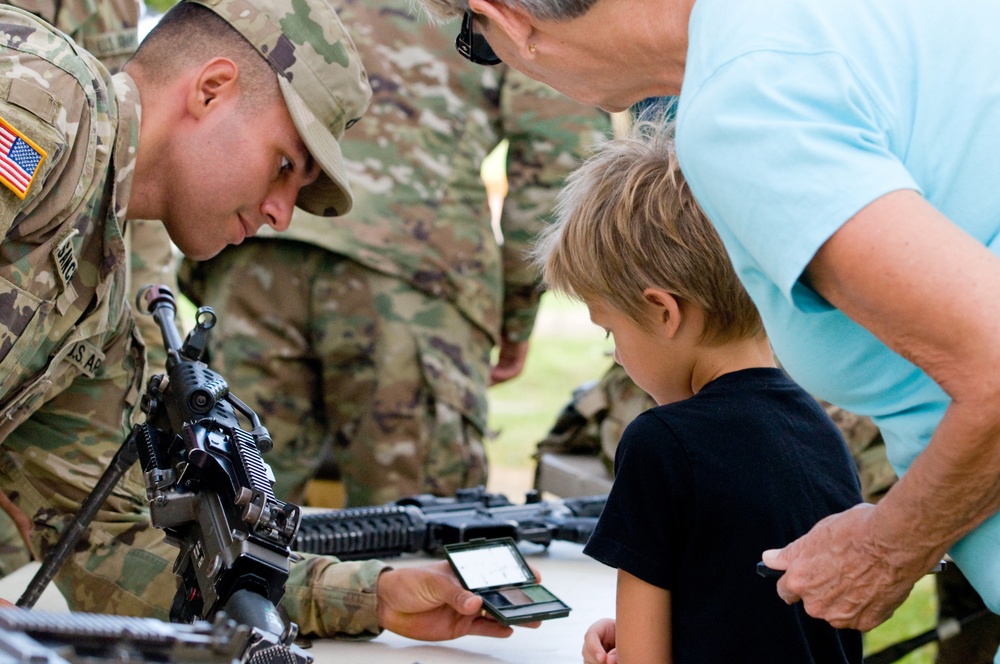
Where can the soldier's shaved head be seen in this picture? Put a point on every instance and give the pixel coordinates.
(189, 35)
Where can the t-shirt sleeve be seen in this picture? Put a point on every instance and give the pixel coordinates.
(781, 149)
(645, 520)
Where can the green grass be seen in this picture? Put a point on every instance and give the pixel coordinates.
(567, 350)
(917, 615)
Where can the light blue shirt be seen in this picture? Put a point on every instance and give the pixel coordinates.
(794, 115)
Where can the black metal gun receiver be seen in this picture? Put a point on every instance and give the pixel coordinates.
(207, 484)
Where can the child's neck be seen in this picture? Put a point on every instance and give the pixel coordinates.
(715, 361)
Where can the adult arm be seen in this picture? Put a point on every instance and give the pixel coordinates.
(358, 599)
(927, 290)
(428, 603)
(510, 360)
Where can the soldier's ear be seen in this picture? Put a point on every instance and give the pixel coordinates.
(215, 81)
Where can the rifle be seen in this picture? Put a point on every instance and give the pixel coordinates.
(425, 523)
(208, 488)
(33, 637)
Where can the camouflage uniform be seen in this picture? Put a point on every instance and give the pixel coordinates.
(71, 360)
(109, 30)
(372, 334)
(593, 423)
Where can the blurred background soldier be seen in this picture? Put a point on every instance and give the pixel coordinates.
(592, 424)
(372, 333)
(109, 29)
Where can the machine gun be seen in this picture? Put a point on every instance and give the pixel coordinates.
(33, 637)
(426, 523)
(208, 488)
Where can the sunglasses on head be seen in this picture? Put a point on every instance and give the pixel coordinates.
(472, 45)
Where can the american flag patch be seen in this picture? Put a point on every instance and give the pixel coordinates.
(19, 159)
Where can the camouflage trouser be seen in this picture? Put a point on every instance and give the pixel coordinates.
(151, 260)
(340, 360)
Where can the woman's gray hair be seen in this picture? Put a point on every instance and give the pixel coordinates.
(551, 10)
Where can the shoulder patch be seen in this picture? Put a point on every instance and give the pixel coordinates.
(20, 159)
(86, 357)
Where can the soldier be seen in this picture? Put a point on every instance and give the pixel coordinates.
(71, 362)
(107, 29)
(375, 332)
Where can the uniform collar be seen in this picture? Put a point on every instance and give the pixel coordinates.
(126, 141)
(125, 114)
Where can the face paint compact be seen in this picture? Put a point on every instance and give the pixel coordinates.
(495, 570)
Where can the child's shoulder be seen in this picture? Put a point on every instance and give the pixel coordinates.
(761, 388)
(760, 402)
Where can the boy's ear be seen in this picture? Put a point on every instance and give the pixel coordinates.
(214, 81)
(512, 20)
(667, 310)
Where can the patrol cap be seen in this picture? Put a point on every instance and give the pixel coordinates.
(321, 77)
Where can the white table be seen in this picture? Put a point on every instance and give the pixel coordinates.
(585, 585)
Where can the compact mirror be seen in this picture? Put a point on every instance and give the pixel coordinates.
(496, 571)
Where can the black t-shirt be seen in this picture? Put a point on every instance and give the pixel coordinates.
(702, 487)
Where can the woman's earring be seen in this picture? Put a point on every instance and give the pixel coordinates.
(532, 48)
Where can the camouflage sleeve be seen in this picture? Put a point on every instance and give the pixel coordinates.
(151, 261)
(51, 461)
(327, 598)
(48, 145)
(549, 134)
(44, 111)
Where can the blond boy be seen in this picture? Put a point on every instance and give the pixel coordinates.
(735, 459)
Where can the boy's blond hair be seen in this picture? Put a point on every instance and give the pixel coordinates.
(627, 221)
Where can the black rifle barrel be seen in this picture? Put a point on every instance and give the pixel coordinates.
(426, 523)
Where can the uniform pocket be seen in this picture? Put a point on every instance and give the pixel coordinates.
(21, 333)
